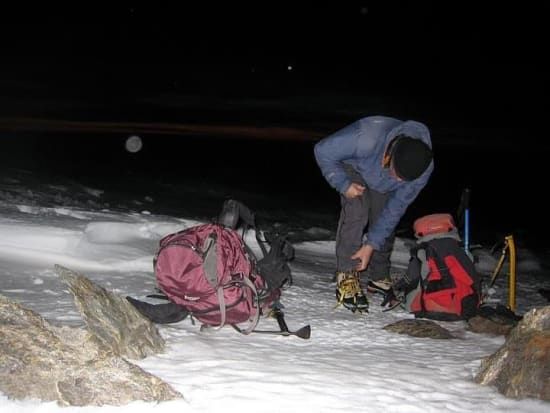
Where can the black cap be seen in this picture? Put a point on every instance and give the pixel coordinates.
(410, 157)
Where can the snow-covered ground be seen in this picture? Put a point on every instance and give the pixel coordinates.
(349, 364)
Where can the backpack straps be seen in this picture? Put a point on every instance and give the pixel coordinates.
(221, 300)
(210, 259)
(254, 322)
(428, 250)
(422, 252)
(210, 266)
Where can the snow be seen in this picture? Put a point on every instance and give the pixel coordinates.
(350, 363)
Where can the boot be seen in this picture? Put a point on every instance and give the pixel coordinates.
(349, 292)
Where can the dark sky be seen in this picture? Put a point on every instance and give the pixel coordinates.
(447, 49)
(334, 36)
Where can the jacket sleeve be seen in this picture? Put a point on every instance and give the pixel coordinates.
(333, 150)
(395, 208)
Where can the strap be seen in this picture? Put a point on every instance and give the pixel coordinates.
(261, 242)
(210, 266)
(425, 270)
(424, 248)
(221, 301)
(256, 319)
(210, 260)
(441, 266)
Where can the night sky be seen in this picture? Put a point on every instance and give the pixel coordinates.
(456, 51)
(474, 72)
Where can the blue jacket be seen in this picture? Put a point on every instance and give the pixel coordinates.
(362, 145)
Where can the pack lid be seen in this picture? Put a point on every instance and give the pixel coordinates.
(433, 224)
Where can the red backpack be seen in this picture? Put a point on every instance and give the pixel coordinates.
(209, 271)
(444, 282)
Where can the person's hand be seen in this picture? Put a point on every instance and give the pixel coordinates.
(354, 190)
(363, 255)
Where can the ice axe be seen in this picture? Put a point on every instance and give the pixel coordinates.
(304, 332)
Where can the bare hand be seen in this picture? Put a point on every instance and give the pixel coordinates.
(363, 255)
(354, 190)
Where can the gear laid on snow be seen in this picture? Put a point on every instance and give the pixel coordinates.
(441, 282)
(209, 273)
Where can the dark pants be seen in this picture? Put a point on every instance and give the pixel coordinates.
(355, 216)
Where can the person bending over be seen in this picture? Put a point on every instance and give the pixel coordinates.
(379, 165)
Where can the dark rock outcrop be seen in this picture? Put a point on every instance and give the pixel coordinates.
(521, 367)
(112, 319)
(77, 366)
(483, 325)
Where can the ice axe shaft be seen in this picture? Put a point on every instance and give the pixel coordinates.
(304, 332)
(466, 203)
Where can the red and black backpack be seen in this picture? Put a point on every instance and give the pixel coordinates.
(444, 283)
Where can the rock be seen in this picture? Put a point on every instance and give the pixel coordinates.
(498, 320)
(112, 319)
(69, 365)
(479, 324)
(521, 367)
(419, 328)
